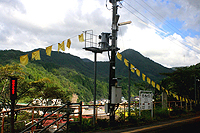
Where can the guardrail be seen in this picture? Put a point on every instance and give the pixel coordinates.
(80, 112)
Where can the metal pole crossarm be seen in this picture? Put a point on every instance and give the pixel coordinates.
(111, 1)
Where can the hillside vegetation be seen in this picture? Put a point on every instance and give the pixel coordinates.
(72, 74)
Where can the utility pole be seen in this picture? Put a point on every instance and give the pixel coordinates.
(129, 88)
(113, 49)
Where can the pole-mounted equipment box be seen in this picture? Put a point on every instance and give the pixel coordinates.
(116, 94)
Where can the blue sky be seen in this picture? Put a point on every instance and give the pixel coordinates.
(28, 25)
(176, 26)
(175, 22)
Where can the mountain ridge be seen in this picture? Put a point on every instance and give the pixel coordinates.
(77, 74)
(85, 66)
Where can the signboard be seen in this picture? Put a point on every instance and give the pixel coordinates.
(13, 88)
(145, 101)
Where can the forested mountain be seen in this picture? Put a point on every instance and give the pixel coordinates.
(75, 75)
(85, 66)
(150, 68)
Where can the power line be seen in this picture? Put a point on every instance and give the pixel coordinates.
(143, 16)
(194, 47)
(165, 20)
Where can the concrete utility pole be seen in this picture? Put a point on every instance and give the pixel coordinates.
(113, 48)
(129, 89)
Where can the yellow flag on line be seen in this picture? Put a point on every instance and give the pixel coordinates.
(126, 62)
(167, 92)
(80, 37)
(138, 72)
(119, 56)
(158, 86)
(24, 59)
(183, 99)
(48, 50)
(186, 100)
(177, 97)
(153, 83)
(132, 68)
(61, 46)
(148, 80)
(174, 95)
(36, 55)
(163, 88)
(143, 76)
(68, 43)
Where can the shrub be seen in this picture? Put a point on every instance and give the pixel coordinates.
(145, 117)
(177, 111)
(87, 124)
(102, 123)
(161, 113)
(133, 119)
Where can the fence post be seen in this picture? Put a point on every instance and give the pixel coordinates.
(81, 116)
(79, 110)
(181, 105)
(32, 129)
(57, 118)
(96, 111)
(185, 105)
(68, 104)
(2, 126)
(124, 111)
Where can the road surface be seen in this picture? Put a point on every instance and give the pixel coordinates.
(190, 125)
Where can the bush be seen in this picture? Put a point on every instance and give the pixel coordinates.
(145, 117)
(21, 116)
(102, 123)
(161, 113)
(177, 111)
(133, 119)
(87, 124)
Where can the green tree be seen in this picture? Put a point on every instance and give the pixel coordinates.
(6, 72)
(182, 81)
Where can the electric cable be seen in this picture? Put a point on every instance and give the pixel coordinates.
(170, 24)
(197, 49)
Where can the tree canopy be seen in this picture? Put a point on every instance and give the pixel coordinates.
(182, 81)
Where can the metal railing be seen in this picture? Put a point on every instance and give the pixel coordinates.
(80, 113)
(68, 108)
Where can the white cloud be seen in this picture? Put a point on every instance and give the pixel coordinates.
(189, 13)
(168, 51)
(27, 25)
